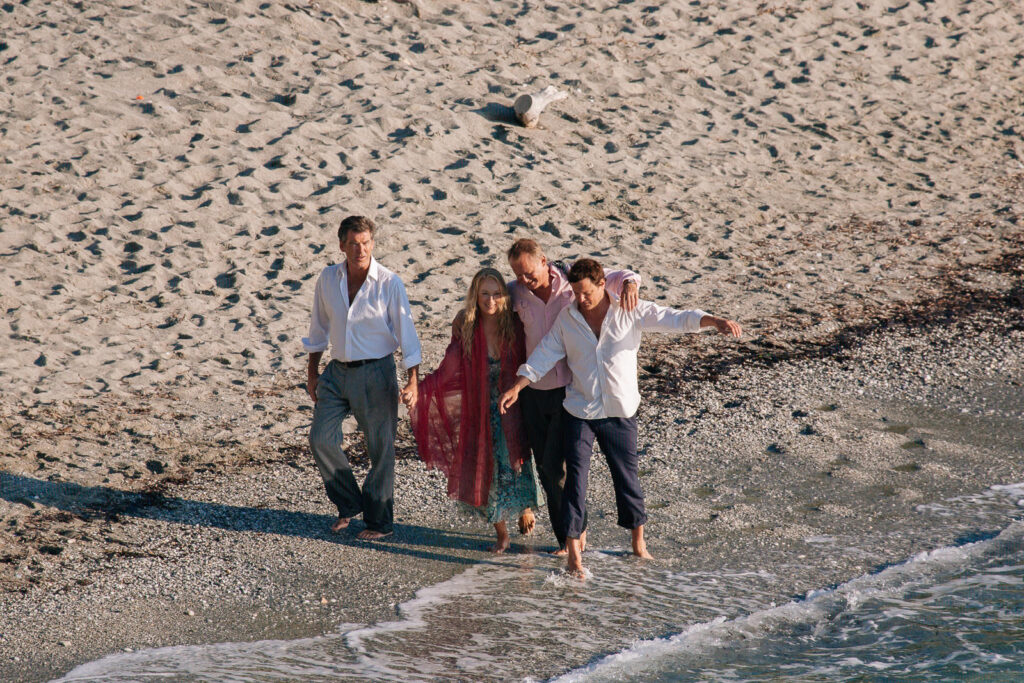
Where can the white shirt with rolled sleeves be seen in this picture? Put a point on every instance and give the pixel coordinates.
(376, 324)
(604, 370)
(538, 316)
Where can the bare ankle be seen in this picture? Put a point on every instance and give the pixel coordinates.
(640, 545)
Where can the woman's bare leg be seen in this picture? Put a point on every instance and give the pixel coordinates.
(503, 541)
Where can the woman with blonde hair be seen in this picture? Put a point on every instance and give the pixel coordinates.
(458, 427)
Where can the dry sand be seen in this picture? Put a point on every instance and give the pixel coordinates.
(172, 175)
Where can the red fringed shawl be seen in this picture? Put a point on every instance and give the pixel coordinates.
(451, 419)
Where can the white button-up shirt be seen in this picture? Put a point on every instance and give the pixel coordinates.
(376, 324)
(604, 380)
(538, 315)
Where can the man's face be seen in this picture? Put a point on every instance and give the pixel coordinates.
(358, 248)
(588, 293)
(531, 271)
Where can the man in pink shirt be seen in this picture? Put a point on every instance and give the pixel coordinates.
(539, 293)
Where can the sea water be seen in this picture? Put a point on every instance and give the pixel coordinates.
(946, 614)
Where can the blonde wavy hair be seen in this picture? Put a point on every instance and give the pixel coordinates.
(470, 310)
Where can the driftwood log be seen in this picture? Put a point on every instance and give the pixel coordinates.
(529, 107)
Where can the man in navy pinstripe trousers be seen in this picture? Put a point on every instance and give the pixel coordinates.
(600, 341)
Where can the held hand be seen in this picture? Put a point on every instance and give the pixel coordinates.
(630, 296)
(410, 394)
(728, 327)
(311, 383)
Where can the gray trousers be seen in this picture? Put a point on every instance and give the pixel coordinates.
(370, 393)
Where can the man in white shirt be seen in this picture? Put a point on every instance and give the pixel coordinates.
(361, 310)
(539, 293)
(600, 341)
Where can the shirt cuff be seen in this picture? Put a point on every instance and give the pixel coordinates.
(695, 318)
(411, 361)
(529, 373)
(312, 347)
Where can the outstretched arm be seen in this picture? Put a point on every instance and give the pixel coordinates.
(512, 395)
(550, 350)
(664, 319)
(729, 327)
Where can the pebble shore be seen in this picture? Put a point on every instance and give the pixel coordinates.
(844, 180)
(739, 471)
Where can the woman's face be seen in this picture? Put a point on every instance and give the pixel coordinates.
(489, 300)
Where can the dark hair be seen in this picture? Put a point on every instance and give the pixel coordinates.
(522, 246)
(586, 269)
(356, 224)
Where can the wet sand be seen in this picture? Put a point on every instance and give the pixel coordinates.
(171, 179)
(744, 471)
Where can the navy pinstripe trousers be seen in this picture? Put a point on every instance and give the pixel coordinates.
(617, 438)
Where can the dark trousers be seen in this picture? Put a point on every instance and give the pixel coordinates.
(617, 438)
(370, 393)
(544, 418)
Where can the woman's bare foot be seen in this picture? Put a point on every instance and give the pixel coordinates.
(639, 546)
(340, 525)
(503, 542)
(527, 522)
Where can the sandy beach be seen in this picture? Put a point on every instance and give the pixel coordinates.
(845, 181)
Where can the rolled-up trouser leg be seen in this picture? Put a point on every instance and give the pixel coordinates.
(325, 441)
(374, 403)
(579, 448)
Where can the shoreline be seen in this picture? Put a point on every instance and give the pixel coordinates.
(844, 181)
(271, 569)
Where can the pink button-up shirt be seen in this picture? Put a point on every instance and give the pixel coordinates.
(538, 316)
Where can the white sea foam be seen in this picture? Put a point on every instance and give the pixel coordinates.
(412, 612)
(510, 613)
(815, 611)
(219, 661)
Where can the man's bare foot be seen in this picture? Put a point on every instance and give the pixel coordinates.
(503, 542)
(340, 525)
(526, 522)
(563, 551)
(574, 561)
(372, 535)
(639, 546)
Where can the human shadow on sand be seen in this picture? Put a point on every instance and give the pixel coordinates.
(92, 502)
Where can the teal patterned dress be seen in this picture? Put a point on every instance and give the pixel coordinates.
(511, 492)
